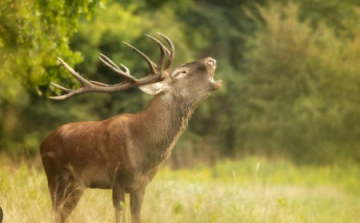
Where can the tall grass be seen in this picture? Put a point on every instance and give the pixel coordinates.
(253, 190)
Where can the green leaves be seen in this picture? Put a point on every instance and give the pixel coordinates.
(300, 88)
(32, 35)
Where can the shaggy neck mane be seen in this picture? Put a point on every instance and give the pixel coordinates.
(162, 123)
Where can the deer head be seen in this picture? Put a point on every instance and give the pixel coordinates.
(123, 153)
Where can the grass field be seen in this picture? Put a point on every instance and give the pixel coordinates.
(253, 190)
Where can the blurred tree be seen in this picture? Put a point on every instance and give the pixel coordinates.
(340, 15)
(32, 35)
(301, 89)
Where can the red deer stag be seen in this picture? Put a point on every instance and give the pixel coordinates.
(123, 153)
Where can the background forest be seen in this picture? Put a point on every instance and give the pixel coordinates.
(290, 71)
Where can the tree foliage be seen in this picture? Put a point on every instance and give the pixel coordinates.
(32, 35)
(289, 67)
(301, 88)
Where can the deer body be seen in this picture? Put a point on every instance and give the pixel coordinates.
(123, 153)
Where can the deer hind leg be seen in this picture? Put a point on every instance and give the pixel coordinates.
(65, 195)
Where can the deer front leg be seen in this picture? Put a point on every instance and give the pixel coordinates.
(118, 196)
(136, 200)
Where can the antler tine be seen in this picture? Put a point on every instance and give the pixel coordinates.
(108, 62)
(163, 50)
(60, 87)
(149, 62)
(99, 84)
(172, 51)
(115, 68)
(70, 92)
(62, 97)
(68, 95)
(73, 72)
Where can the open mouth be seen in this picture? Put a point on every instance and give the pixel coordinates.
(214, 84)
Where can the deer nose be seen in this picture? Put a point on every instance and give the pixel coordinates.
(211, 61)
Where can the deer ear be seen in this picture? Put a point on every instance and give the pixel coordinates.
(153, 89)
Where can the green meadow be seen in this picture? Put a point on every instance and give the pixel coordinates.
(252, 190)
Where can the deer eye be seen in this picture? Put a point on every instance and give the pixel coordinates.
(179, 73)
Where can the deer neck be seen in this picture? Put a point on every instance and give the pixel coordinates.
(161, 124)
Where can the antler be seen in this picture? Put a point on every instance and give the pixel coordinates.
(158, 72)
